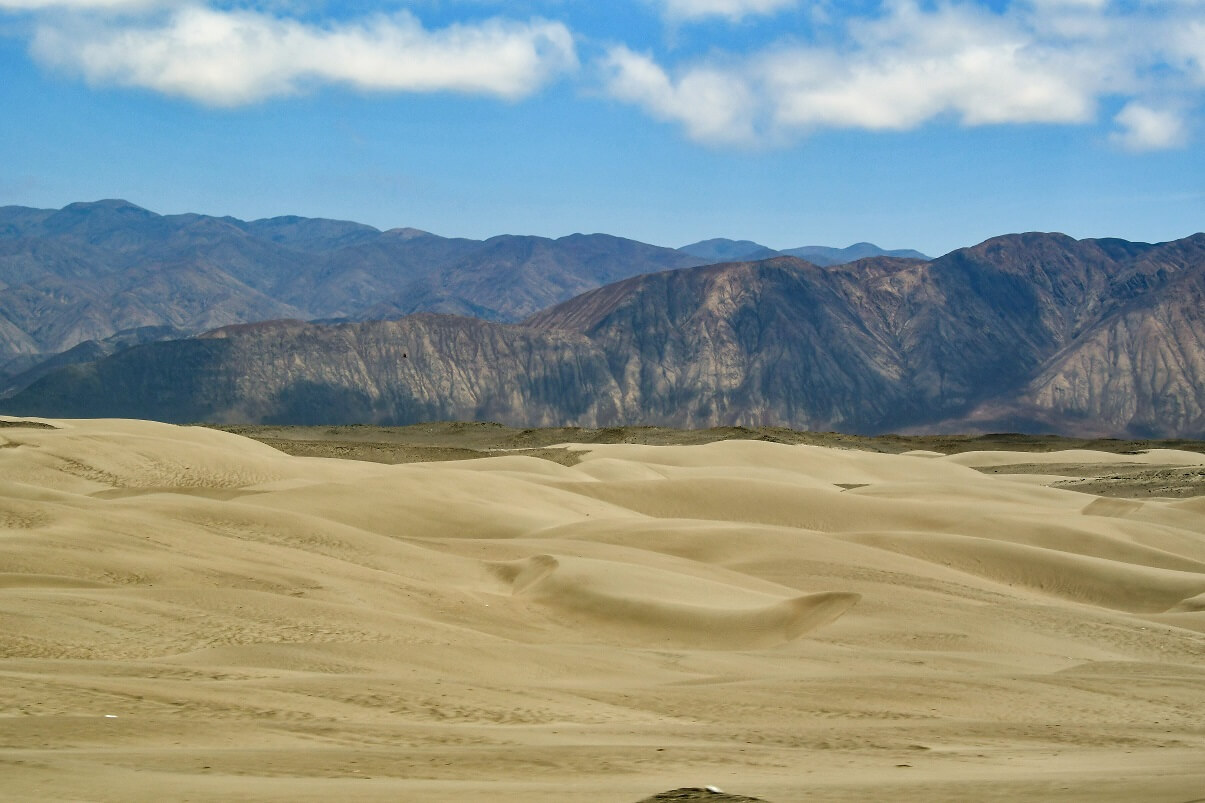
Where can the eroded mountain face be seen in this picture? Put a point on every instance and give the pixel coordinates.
(1032, 331)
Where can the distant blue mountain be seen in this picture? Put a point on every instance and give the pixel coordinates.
(724, 250)
(825, 256)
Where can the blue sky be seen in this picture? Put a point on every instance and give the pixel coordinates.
(928, 125)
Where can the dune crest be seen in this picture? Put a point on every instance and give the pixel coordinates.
(601, 600)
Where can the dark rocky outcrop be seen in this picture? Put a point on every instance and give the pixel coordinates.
(701, 793)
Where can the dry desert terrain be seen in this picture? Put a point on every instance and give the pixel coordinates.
(190, 614)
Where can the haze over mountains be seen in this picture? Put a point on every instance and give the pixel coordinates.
(1035, 332)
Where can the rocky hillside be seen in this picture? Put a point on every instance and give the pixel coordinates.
(420, 368)
(1036, 332)
(776, 341)
(508, 277)
(1137, 368)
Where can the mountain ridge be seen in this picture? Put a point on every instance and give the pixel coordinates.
(720, 249)
(82, 273)
(1033, 329)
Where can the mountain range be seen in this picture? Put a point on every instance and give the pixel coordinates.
(1029, 332)
(724, 250)
(91, 271)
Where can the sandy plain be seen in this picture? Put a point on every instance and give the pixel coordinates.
(189, 614)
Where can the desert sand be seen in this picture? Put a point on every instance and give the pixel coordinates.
(188, 614)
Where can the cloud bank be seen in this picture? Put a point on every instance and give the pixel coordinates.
(892, 66)
(228, 58)
(1046, 62)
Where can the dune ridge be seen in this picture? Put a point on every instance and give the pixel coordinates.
(188, 613)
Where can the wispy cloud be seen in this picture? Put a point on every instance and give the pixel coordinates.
(915, 65)
(227, 58)
(43, 5)
(1045, 61)
(1144, 128)
(731, 9)
(715, 105)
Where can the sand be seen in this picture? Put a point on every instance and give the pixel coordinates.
(189, 614)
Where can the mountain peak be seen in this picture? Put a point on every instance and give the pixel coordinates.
(407, 233)
(107, 205)
(826, 256)
(721, 249)
(95, 222)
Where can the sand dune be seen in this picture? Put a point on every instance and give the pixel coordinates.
(636, 604)
(185, 613)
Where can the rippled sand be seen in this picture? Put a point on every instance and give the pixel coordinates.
(185, 613)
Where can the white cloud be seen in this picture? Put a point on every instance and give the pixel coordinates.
(1189, 46)
(1147, 129)
(913, 66)
(1077, 5)
(906, 64)
(1039, 61)
(227, 58)
(43, 5)
(732, 9)
(714, 105)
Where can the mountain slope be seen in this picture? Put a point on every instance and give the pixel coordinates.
(1140, 369)
(742, 343)
(980, 321)
(877, 344)
(424, 367)
(510, 277)
(86, 352)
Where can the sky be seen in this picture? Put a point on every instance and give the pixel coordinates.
(910, 124)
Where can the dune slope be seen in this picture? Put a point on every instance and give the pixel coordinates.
(188, 613)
